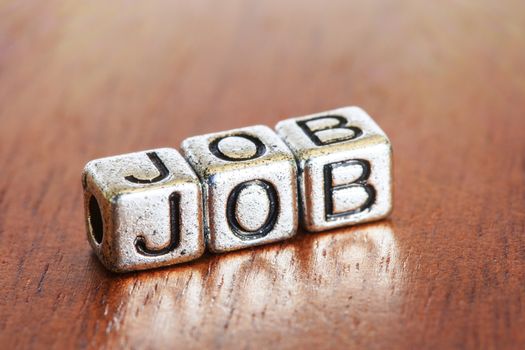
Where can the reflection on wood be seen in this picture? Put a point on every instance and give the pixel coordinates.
(358, 270)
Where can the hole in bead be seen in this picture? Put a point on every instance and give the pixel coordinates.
(96, 225)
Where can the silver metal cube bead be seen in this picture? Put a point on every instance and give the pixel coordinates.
(143, 210)
(345, 167)
(249, 179)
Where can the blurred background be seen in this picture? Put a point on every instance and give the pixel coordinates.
(446, 81)
(164, 68)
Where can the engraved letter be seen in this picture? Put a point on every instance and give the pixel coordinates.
(140, 242)
(271, 218)
(341, 125)
(346, 189)
(163, 171)
(259, 150)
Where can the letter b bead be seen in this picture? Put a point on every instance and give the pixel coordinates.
(143, 210)
(345, 167)
(249, 185)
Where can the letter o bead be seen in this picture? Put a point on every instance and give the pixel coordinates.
(249, 186)
(345, 167)
(143, 210)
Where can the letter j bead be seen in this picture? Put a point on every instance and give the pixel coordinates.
(143, 210)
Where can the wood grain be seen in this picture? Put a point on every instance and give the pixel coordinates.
(444, 79)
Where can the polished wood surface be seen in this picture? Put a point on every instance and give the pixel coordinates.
(445, 79)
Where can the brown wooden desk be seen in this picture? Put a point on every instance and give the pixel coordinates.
(445, 80)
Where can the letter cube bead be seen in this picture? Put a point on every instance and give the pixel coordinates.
(249, 187)
(143, 210)
(345, 167)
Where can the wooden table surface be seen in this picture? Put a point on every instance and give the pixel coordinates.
(444, 79)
